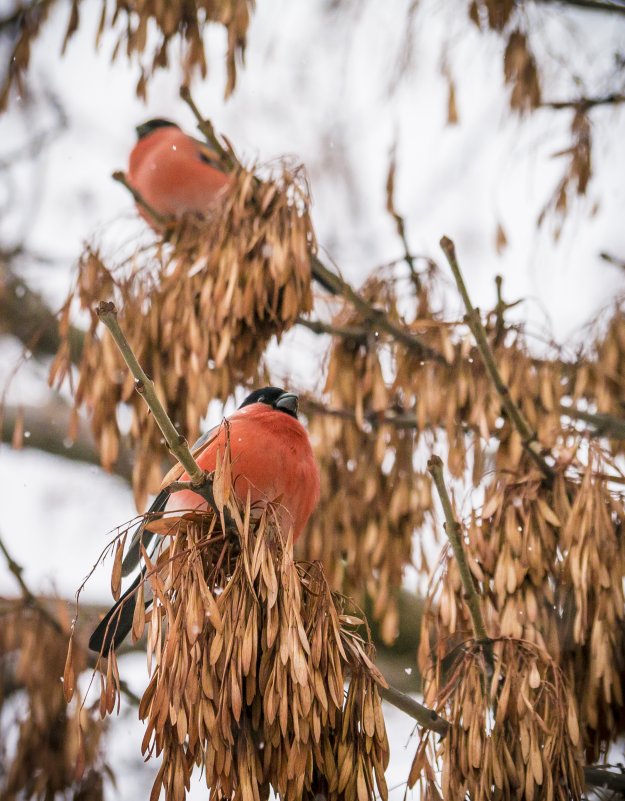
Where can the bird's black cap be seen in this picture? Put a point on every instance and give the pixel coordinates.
(276, 397)
(146, 128)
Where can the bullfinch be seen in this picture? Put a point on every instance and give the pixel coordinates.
(271, 458)
(174, 173)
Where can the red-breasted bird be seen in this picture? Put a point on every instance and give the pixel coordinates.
(174, 173)
(270, 456)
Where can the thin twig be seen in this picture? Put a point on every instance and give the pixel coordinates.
(528, 436)
(425, 717)
(603, 425)
(29, 597)
(454, 533)
(328, 279)
(584, 103)
(161, 219)
(206, 127)
(355, 333)
(177, 444)
(589, 5)
(613, 260)
(374, 315)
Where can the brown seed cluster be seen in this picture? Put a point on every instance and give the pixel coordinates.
(146, 30)
(198, 308)
(51, 756)
(387, 401)
(372, 497)
(514, 733)
(249, 652)
(549, 562)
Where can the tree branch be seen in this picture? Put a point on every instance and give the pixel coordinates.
(373, 315)
(161, 219)
(589, 5)
(425, 717)
(29, 597)
(454, 533)
(206, 127)
(176, 443)
(47, 428)
(356, 333)
(585, 103)
(530, 440)
(605, 425)
(24, 314)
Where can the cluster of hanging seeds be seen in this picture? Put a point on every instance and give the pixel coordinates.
(372, 496)
(549, 561)
(198, 308)
(249, 652)
(514, 732)
(52, 737)
(146, 30)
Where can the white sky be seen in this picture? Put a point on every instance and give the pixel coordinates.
(317, 85)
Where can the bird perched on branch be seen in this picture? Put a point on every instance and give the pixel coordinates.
(174, 173)
(271, 458)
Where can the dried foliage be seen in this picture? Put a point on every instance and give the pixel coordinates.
(601, 376)
(521, 73)
(56, 752)
(514, 733)
(146, 31)
(211, 294)
(550, 563)
(372, 497)
(249, 652)
(578, 172)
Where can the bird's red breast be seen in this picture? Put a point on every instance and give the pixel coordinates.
(270, 455)
(169, 170)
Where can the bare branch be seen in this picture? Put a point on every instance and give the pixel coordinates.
(530, 440)
(374, 315)
(47, 428)
(590, 5)
(176, 443)
(355, 333)
(29, 597)
(24, 314)
(206, 127)
(602, 777)
(159, 218)
(585, 103)
(425, 717)
(605, 425)
(613, 260)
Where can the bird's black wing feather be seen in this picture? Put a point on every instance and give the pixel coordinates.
(117, 622)
(140, 535)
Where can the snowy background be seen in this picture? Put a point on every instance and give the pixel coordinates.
(328, 87)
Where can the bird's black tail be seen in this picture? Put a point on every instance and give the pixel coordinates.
(117, 623)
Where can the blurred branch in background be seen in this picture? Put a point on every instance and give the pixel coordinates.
(25, 315)
(46, 428)
(609, 6)
(585, 103)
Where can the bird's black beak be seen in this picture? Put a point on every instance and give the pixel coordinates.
(287, 402)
